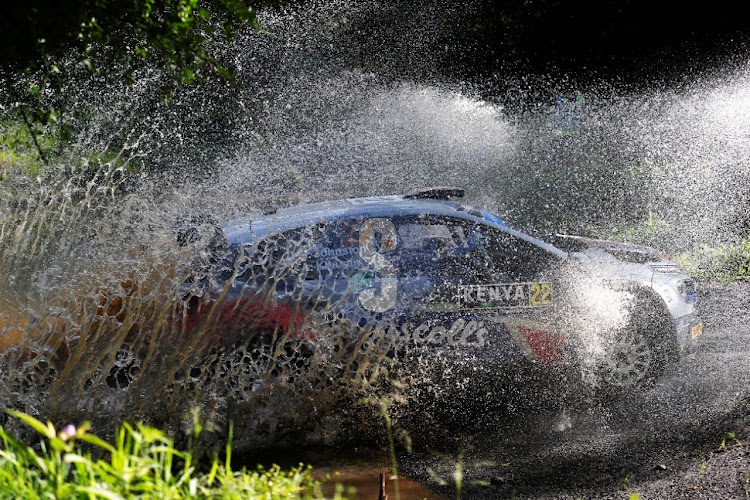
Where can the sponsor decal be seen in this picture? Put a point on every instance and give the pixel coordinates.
(337, 265)
(377, 237)
(546, 346)
(363, 281)
(352, 238)
(461, 332)
(337, 252)
(505, 296)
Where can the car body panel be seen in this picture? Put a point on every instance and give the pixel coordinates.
(650, 269)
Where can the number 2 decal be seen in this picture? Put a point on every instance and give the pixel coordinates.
(540, 294)
(377, 237)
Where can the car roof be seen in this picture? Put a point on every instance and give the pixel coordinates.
(244, 231)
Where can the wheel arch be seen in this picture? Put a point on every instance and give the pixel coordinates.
(650, 318)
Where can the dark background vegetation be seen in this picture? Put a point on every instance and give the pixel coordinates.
(622, 39)
(500, 48)
(608, 38)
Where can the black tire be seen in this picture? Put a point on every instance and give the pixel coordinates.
(641, 351)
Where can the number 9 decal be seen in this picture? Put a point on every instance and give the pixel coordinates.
(377, 237)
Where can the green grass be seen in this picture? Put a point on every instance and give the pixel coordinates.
(723, 263)
(143, 462)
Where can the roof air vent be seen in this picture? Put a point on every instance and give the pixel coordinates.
(436, 193)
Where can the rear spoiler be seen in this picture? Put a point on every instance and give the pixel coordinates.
(436, 193)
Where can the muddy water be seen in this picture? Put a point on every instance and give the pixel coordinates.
(355, 472)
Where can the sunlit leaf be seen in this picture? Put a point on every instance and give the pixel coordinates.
(47, 430)
(99, 492)
(74, 458)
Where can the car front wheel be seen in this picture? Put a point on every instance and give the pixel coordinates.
(629, 362)
(641, 352)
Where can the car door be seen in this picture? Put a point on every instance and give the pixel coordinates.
(518, 295)
(384, 265)
(492, 292)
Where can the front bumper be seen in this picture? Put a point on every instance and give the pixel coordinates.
(689, 328)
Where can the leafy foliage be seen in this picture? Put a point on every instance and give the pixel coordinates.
(16, 149)
(142, 463)
(35, 34)
(723, 263)
(44, 44)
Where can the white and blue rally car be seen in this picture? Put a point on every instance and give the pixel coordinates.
(440, 278)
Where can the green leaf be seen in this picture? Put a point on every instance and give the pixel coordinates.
(58, 444)
(144, 53)
(188, 76)
(75, 458)
(98, 442)
(101, 492)
(152, 434)
(47, 431)
(9, 457)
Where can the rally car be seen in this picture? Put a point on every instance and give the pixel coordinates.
(438, 278)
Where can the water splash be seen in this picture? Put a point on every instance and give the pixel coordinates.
(91, 271)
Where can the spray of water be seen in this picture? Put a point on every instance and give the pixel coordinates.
(93, 321)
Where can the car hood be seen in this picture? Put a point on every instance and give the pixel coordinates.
(625, 252)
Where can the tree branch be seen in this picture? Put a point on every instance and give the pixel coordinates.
(33, 135)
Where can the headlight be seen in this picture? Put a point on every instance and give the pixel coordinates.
(688, 290)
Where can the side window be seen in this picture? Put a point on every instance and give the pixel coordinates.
(438, 246)
(470, 252)
(416, 255)
(284, 255)
(460, 249)
(514, 257)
